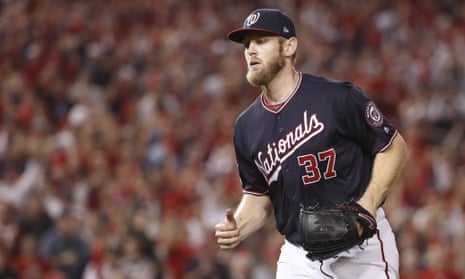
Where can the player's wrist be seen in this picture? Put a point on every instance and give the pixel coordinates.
(369, 204)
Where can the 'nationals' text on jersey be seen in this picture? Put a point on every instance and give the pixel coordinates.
(293, 154)
(269, 162)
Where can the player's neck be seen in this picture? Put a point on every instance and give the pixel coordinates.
(282, 86)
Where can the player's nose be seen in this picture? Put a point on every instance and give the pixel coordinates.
(251, 48)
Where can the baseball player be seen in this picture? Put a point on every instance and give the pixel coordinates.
(309, 143)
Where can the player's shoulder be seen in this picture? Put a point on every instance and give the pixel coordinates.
(315, 80)
(333, 90)
(249, 112)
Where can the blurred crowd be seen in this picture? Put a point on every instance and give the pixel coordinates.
(116, 117)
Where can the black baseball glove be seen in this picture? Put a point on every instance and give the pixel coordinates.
(328, 231)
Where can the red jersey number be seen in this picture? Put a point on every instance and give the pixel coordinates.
(311, 164)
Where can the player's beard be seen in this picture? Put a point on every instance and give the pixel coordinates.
(268, 72)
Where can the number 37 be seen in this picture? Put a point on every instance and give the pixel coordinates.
(312, 166)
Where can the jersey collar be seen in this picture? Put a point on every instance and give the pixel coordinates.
(279, 107)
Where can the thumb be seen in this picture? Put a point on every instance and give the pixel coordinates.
(230, 216)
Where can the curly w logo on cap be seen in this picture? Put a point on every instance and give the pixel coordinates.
(271, 21)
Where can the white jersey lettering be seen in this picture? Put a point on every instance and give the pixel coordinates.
(269, 162)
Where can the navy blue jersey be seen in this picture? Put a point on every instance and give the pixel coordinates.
(317, 149)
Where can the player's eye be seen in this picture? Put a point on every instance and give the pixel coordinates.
(261, 40)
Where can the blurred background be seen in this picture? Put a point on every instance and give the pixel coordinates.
(116, 157)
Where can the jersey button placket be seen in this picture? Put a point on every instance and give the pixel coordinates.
(279, 134)
(278, 125)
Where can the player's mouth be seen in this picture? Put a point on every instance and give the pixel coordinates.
(254, 65)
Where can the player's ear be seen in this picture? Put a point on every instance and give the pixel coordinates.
(290, 46)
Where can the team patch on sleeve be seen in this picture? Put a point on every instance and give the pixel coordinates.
(373, 116)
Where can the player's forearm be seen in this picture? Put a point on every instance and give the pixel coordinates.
(251, 214)
(386, 169)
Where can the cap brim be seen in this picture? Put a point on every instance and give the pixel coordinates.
(237, 35)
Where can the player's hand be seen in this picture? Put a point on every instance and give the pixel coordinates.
(227, 233)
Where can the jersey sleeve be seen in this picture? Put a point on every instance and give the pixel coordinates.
(361, 120)
(251, 178)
